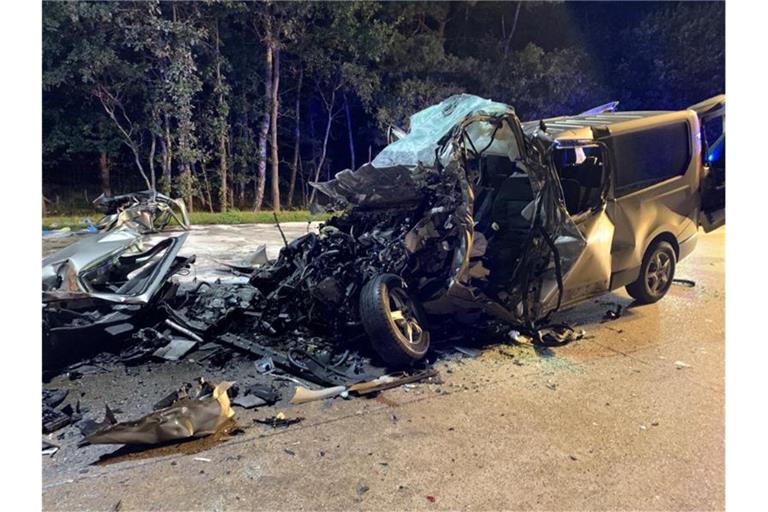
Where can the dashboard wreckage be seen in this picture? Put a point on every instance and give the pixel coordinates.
(469, 216)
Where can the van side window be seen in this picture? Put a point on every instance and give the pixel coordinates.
(647, 157)
(582, 175)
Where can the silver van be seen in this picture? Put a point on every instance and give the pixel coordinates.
(471, 212)
(650, 179)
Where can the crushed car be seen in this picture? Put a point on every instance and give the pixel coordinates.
(101, 287)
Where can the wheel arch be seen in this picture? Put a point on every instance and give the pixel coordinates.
(665, 236)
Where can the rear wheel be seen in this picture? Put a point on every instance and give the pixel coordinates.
(656, 273)
(393, 320)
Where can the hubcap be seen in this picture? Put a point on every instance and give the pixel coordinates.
(402, 313)
(659, 272)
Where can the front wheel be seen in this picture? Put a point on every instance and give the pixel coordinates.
(656, 274)
(393, 320)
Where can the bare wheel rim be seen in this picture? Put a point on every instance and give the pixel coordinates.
(403, 315)
(659, 272)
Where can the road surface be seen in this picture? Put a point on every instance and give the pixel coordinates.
(630, 418)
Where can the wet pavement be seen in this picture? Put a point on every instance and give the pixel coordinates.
(613, 421)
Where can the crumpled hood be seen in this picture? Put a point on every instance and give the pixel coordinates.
(444, 144)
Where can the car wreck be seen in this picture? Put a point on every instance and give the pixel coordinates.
(100, 287)
(147, 211)
(470, 219)
(474, 215)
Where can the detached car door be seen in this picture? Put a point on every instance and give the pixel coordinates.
(711, 113)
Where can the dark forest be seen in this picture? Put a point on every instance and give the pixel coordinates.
(235, 105)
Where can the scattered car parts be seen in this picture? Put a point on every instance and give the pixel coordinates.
(185, 418)
(147, 211)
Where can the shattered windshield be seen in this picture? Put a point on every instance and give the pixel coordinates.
(429, 126)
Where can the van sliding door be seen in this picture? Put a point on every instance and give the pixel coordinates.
(711, 114)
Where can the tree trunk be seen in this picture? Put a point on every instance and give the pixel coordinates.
(349, 133)
(223, 186)
(152, 149)
(167, 150)
(325, 145)
(273, 130)
(263, 130)
(207, 188)
(508, 42)
(104, 173)
(303, 178)
(188, 191)
(297, 141)
(223, 195)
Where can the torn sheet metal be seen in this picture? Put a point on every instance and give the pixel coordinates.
(590, 273)
(108, 267)
(186, 418)
(147, 211)
(97, 291)
(250, 262)
(60, 269)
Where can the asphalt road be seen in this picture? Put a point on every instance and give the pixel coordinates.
(630, 418)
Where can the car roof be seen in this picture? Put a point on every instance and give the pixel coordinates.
(580, 126)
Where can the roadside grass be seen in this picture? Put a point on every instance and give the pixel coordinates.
(79, 220)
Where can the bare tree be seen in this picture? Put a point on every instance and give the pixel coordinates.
(222, 127)
(261, 173)
(275, 103)
(508, 37)
(297, 139)
(331, 114)
(116, 112)
(349, 133)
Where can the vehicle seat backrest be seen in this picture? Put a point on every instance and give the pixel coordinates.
(590, 173)
(497, 169)
(572, 192)
(592, 179)
(512, 196)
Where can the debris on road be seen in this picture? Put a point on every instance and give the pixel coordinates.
(687, 283)
(303, 395)
(175, 349)
(680, 365)
(460, 221)
(558, 335)
(54, 418)
(279, 421)
(469, 352)
(613, 314)
(185, 418)
(249, 263)
(49, 448)
(248, 401)
(361, 489)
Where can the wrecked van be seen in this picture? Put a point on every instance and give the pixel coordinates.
(471, 213)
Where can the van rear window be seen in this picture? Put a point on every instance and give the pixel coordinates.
(650, 156)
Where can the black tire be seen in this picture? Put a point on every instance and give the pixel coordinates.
(656, 273)
(388, 313)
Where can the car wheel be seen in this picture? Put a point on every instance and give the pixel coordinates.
(656, 274)
(393, 320)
